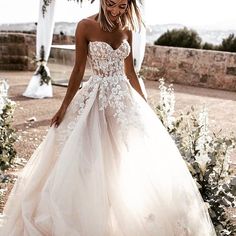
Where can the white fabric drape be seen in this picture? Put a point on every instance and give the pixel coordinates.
(138, 48)
(44, 38)
(139, 42)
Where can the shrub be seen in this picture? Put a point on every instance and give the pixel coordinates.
(180, 38)
(7, 140)
(7, 133)
(207, 157)
(209, 46)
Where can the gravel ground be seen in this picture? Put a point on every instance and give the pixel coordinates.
(220, 104)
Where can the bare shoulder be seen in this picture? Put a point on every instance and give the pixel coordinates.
(86, 26)
(85, 23)
(128, 34)
(93, 17)
(81, 28)
(90, 21)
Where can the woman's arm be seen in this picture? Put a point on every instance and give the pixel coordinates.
(130, 71)
(77, 72)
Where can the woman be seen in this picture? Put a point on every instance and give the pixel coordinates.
(107, 166)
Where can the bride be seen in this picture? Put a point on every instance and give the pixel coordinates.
(107, 166)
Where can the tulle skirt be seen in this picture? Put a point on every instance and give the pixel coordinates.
(107, 170)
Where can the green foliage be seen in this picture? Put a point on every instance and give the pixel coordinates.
(209, 46)
(42, 54)
(7, 135)
(190, 39)
(46, 3)
(228, 44)
(42, 71)
(45, 78)
(207, 157)
(180, 38)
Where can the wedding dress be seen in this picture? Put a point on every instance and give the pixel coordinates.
(109, 169)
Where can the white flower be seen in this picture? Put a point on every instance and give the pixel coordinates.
(167, 103)
(1, 107)
(202, 160)
(114, 90)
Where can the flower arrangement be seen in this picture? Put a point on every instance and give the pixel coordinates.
(42, 69)
(207, 157)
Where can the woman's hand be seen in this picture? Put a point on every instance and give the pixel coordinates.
(58, 117)
(145, 99)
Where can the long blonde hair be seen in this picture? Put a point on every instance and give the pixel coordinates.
(131, 18)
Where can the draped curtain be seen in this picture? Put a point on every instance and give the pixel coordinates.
(40, 85)
(138, 47)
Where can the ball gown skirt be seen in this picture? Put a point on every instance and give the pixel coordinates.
(109, 169)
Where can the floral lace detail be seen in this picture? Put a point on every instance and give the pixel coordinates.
(74, 112)
(109, 85)
(114, 92)
(115, 99)
(106, 61)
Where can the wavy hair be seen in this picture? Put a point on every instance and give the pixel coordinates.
(131, 18)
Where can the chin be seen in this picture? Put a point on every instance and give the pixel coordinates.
(113, 18)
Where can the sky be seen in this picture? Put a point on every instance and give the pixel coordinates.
(215, 14)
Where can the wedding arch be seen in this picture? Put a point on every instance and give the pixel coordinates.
(40, 85)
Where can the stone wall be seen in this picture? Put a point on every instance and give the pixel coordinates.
(203, 68)
(17, 51)
(64, 55)
(63, 39)
(210, 69)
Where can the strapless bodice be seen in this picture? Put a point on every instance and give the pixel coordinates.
(106, 61)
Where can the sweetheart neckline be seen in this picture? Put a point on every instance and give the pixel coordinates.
(114, 49)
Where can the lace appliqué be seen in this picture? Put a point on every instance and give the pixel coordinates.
(106, 61)
(109, 85)
(114, 95)
(108, 68)
(74, 112)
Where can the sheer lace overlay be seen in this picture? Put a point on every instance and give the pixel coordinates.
(110, 84)
(106, 61)
(109, 169)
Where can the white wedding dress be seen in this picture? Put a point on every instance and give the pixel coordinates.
(109, 169)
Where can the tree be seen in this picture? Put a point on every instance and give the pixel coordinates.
(209, 46)
(228, 44)
(180, 38)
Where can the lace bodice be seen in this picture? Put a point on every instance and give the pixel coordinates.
(108, 85)
(106, 61)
